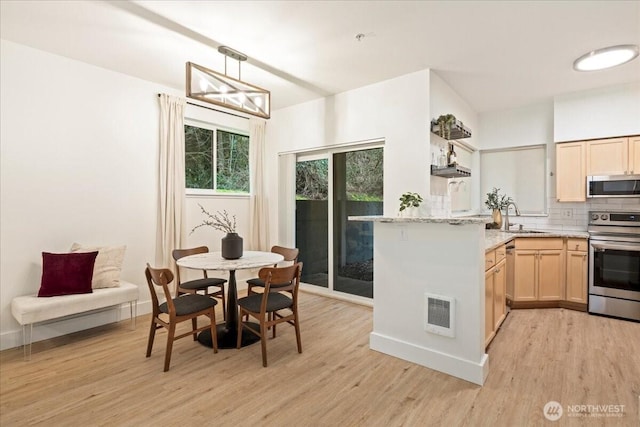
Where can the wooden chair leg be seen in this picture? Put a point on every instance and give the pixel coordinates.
(272, 317)
(170, 338)
(194, 326)
(152, 334)
(263, 342)
(214, 333)
(297, 326)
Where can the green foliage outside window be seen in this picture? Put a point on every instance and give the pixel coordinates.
(198, 157)
(364, 177)
(232, 160)
(365, 180)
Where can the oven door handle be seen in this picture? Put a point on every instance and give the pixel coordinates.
(599, 247)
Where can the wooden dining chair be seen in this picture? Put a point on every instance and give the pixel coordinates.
(179, 309)
(277, 304)
(204, 284)
(290, 256)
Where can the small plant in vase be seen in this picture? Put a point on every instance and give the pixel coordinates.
(496, 202)
(409, 200)
(231, 243)
(445, 122)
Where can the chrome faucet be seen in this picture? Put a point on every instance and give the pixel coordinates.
(506, 215)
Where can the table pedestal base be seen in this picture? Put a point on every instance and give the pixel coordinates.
(227, 338)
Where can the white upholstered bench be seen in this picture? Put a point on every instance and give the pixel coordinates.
(31, 309)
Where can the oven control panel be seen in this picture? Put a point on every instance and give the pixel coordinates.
(615, 218)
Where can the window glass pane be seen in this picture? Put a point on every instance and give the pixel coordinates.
(232, 151)
(198, 161)
(312, 220)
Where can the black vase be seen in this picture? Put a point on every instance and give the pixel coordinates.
(231, 246)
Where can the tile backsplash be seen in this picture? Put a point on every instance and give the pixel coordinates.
(562, 216)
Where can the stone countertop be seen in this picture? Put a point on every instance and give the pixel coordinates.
(495, 238)
(427, 219)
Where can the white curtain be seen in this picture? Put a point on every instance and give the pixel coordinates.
(171, 193)
(258, 238)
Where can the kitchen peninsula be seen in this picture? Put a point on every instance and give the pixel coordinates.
(441, 257)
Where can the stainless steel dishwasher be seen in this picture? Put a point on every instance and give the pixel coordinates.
(511, 263)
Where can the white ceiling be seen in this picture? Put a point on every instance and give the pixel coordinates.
(495, 54)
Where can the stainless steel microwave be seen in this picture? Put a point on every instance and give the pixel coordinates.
(613, 186)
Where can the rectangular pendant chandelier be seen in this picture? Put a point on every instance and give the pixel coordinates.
(212, 87)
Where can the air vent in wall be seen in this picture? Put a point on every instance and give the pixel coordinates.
(440, 315)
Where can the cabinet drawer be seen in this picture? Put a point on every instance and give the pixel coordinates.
(501, 253)
(577, 244)
(539, 243)
(489, 260)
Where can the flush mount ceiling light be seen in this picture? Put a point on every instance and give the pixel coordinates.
(607, 57)
(210, 86)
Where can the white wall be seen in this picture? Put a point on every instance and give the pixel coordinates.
(396, 111)
(78, 164)
(599, 113)
(517, 127)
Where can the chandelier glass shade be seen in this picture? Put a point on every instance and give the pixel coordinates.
(210, 86)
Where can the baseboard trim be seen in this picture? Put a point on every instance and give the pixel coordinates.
(547, 304)
(474, 372)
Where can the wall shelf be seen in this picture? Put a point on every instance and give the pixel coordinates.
(450, 172)
(458, 130)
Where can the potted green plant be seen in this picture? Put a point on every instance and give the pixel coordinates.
(232, 243)
(410, 200)
(496, 202)
(445, 122)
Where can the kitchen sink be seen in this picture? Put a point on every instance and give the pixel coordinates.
(525, 231)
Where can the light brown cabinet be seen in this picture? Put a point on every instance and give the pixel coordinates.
(539, 270)
(613, 156)
(495, 286)
(577, 271)
(576, 160)
(499, 294)
(571, 176)
(634, 155)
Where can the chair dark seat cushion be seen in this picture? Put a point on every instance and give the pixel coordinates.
(202, 283)
(275, 302)
(190, 303)
(256, 282)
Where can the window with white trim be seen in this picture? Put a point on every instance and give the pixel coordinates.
(216, 159)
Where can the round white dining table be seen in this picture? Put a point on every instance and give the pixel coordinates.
(228, 331)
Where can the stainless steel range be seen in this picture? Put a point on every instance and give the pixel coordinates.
(614, 264)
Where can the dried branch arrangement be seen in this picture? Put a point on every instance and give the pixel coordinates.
(219, 220)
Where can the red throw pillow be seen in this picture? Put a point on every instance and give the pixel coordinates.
(65, 274)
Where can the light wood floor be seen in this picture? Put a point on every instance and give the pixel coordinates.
(100, 377)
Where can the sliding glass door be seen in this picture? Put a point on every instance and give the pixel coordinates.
(312, 218)
(330, 188)
(357, 190)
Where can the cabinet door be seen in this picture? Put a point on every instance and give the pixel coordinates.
(499, 291)
(571, 176)
(526, 276)
(634, 155)
(577, 276)
(488, 306)
(607, 156)
(550, 275)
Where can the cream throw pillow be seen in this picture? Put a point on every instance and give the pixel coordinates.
(106, 270)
